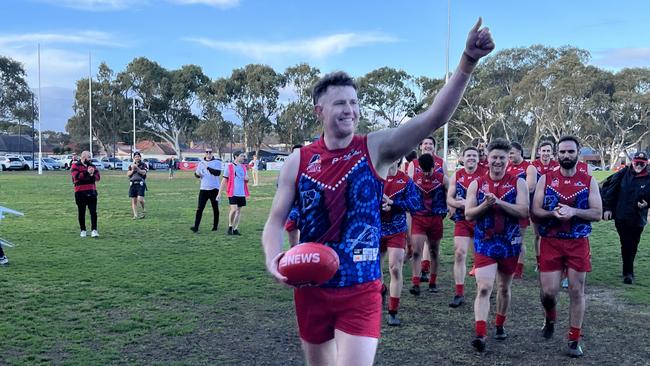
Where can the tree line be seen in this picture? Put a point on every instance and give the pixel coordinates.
(523, 94)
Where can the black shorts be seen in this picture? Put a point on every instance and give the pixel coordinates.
(237, 200)
(136, 189)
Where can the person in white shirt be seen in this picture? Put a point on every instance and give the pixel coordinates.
(208, 170)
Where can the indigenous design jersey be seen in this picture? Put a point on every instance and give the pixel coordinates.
(518, 170)
(571, 191)
(406, 197)
(463, 179)
(438, 164)
(543, 169)
(339, 199)
(294, 214)
(432, 191)
(496, 233)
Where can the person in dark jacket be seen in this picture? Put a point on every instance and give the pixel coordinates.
(625, 199)
(84, 176)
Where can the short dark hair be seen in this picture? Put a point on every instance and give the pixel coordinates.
(426, 162)
(337, 78)
(296, 146)
(569, 138)
(516, 145)
(468, 148)
(435, 144)
(499, 144)
(411, 156)
(545, 143)
(237, 153)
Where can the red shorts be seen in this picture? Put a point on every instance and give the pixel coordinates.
(557, 254)
(290, 226)
(464, 228)
(524, 223)
(393, 241)
(355, 310)
(504, 265)
(431, 226)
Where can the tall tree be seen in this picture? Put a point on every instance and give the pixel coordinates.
(386, 96)
(15, 95)
(166, 98)
(296, 121)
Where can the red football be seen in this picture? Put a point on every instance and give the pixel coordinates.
(309, 264)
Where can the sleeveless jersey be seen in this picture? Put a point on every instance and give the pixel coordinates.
(496, 233)
(571, 191)
(437, 165)
(432, 191)
(339, 199)
(463, 179)
(518, 170)
(405, 196)
(581, 167)
(543, 169)
(484, 164)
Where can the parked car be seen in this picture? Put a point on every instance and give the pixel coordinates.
(67, 160)
(98, 164)
(11, 163)
(28, 162)
(594, 168)
(155, 164)
(49, 164)
(111, 163)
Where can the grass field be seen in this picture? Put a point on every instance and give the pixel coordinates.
(150, 292)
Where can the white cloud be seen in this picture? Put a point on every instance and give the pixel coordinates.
(215, 3)
(81, 37)
(623, 57)
(314, 48)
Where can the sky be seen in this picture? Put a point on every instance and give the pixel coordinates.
(354, 36)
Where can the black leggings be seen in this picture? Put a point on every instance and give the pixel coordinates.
(204, 196)
(630, 238)
(85, 199)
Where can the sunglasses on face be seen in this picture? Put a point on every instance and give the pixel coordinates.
(640, 164)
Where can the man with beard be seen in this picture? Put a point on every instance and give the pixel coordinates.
(496, 201)
(84, 177)
(463, 229)
(137, 184)
(518, 167)
(566, 202)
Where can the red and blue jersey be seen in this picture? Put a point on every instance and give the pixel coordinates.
(438, 165)
(496, 233)
(432, 192)
(581, 167)
(518, 170)
(571, 191)
(339, 197)
(463, 180)
(405, 196)
(543, 169)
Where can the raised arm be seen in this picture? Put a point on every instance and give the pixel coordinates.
(388, 145)
(273, 235)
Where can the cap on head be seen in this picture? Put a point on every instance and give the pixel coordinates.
(640, 156)
(137, 153)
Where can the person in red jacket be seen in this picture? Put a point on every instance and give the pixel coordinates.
(84, 176)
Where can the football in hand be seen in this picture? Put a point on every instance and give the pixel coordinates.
(309, 264)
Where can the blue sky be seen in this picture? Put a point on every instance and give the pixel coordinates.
(356, 36)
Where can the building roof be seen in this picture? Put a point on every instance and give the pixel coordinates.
(21, 144)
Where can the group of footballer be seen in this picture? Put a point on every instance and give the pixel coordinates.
(492, 200)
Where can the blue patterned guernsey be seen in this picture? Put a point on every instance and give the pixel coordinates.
(571, 191)
(339, 200)
(463, 180)
(406, 197)
(496, 233)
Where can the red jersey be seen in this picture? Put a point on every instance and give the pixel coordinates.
(571, 191)
(463, 180)
(432, 188)
(518, 170)
(339, 195)
(483, 163)
(581, 167)
(405, 196)
(543, 169)
(438, 165)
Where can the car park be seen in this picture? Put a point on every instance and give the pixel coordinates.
(111, 163)
(11, 163)
(28, 162)
(155, 164)
(98, 164)
(49, 164)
